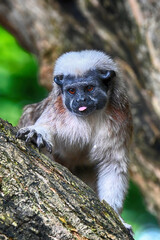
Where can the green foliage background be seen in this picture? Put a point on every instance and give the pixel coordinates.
(19, 86)
(18, 78)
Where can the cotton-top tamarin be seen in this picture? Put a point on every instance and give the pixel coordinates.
(86, 118)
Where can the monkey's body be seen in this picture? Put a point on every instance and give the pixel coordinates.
(85, 119)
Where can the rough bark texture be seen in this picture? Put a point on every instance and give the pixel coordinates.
(40, 199)
(127, 29)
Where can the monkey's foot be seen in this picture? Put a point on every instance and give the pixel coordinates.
(36, 135)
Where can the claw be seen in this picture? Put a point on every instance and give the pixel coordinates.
(22, 133)
(48, 147)
(40, 142)
(127, 226)
(30, 136)
(17, 135)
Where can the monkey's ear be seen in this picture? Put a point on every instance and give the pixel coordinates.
(107, 74)
(58, 79)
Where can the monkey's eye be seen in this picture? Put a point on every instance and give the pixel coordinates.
(72, 90)
(89, 88)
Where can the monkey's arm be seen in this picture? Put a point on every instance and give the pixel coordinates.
(113, 182)
(113, 174)
(113, 185)
(36, 124)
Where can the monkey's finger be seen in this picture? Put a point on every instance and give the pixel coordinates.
(22, 133)
(48, 147)
(31, 136)
(40, 142)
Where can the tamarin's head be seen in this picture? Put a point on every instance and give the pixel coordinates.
(86, 80)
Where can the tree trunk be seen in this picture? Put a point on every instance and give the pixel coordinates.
(40, 199)
(126, 29)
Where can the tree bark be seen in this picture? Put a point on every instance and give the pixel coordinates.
(40, 199)
(126, 29)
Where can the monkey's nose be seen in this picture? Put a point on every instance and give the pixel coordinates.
(81, 99)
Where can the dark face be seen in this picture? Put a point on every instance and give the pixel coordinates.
(84, 94)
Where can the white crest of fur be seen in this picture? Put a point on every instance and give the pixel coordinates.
(78, 63)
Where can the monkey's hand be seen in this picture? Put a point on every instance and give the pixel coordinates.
(129, 227)
(38, 135)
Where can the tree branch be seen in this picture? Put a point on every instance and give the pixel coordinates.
(41, 199)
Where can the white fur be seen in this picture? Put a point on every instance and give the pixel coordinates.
(78, 63)
(112, 187)
(77, 133)
(69, 142)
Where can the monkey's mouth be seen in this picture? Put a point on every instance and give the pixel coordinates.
(83, 108)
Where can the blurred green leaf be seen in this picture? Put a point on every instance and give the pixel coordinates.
(10, 110)
(18, 78)
(136, 214)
